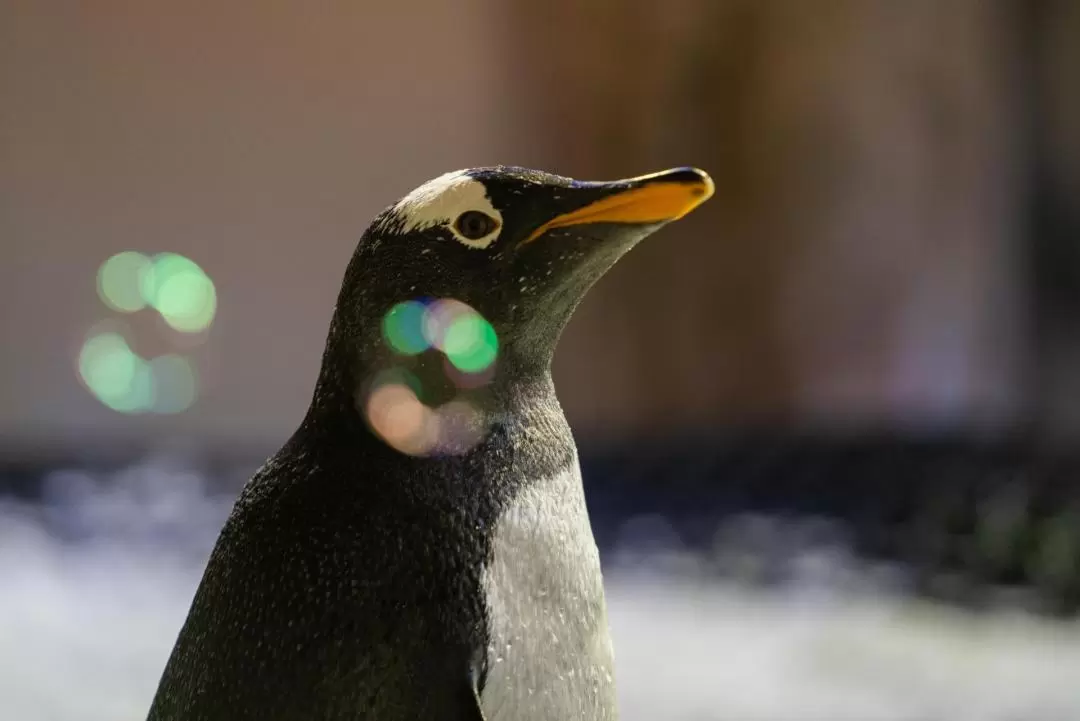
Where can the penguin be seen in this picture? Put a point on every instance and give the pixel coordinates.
(420, 548)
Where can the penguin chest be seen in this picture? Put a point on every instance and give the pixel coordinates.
(550, 654)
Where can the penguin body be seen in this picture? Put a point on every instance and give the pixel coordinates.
(359, 578)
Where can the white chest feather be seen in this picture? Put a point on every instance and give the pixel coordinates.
(550, 656)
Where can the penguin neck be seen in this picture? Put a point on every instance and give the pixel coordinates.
(520, 388)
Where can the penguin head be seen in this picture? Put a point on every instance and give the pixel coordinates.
(520, 247)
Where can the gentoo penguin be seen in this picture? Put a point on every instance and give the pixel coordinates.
(419, 549)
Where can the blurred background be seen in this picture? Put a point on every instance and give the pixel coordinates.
(828, 423)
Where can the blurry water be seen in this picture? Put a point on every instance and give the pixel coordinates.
(94, 587)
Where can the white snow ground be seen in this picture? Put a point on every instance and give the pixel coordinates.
(86, 626)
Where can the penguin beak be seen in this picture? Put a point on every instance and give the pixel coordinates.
(651, 199)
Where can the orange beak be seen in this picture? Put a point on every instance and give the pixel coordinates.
(645, 200)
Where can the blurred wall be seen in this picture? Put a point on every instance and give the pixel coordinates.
(1054, 93)
(864, 260)
(257, 139)
(861, 262)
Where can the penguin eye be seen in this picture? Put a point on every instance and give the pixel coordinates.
(474, 225)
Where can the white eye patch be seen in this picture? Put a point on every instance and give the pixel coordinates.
(442, 200)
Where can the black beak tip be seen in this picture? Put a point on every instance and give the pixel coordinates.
(688, 175)
(698, 182)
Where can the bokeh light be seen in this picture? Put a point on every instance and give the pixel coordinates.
(180, 291)
(438, 318)
(453, 327)
(185, 297)
(395, 411)
(395, 406)
(402, 420)
(119, 281)
(115, 374)
(170, 283)
(127, 383)
(175, 383)
(460, 425)
(470, 343)
(403, 328)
